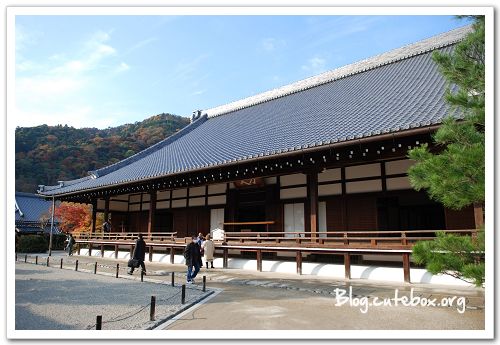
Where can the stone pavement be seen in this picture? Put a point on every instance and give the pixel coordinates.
(49, 298)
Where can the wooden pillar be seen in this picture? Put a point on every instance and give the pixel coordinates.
(406, 267)
(131, 250)
(298, 259)
(116, 251)
(102, 250)
(90, 248)
(225, 258)
(312, 197)
(94, 216)
(106, 209)
(171, 255)
(478, 215)
(152, 210)
(150, 253)
(347, 266)
(259, 260)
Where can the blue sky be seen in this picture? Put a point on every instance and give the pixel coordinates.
(100, 71)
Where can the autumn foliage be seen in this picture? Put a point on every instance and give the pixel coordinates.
(75, 217)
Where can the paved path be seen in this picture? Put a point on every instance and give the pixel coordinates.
(262, 300)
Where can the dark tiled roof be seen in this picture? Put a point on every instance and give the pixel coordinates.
(30, 207)
(34, 228)
(392, 92)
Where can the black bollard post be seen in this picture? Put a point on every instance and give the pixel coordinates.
(183, 294)
(98, 323)
(36, 260)
(117, 269)
(153, 307)
(95, 268)
(26, 258)
(60, 266)
(76, 265)
(204, 283)
(48, 257)
(173, 279)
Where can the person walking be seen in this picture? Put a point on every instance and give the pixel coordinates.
(71, 242)
(200, 239)
(192, 254)
(208, 249)
(139, 255)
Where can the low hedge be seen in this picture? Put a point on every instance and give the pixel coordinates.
(57, 241)
(31, 244)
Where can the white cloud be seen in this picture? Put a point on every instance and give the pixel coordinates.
(187, 71)
(315, 65)
(60, 89)
(271, 44)
(122, 67)
(140, 44)
(198, 92)
(26, 38)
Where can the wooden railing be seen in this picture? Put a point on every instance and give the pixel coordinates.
(346, 244)
(128, 236)
(343, 238)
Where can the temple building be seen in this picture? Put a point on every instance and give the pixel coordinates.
(322, 155)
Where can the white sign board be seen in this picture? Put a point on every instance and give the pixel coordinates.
(217, 234)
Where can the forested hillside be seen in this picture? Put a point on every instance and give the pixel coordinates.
(47, 154)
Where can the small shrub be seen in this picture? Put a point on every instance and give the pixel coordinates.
(57, 241)
(32, 244)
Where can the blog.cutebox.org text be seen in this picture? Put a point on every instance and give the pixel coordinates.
(345, 297)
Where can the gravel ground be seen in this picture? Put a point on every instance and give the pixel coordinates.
(51, 298)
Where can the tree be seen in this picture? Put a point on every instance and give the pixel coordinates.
(454, 173)
(74, 217)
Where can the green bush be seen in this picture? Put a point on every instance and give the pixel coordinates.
(57, 241)
(31, 244)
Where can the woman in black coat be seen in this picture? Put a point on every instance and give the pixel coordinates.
(139, 254)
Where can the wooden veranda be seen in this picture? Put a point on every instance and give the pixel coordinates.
(345, 244)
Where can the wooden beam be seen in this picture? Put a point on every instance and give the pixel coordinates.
(106, 209)
(224, 258)
(406, 267)
(152, 210)
(298, 259)
(347, 266)
(312, 197)
(478, 215)
(94, 216)
(172, 255)
(259, 260)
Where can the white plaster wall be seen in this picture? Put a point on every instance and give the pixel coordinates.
(375, 273)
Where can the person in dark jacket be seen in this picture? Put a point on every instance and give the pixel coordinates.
(139, 254)
(69, 247)
(192, 255)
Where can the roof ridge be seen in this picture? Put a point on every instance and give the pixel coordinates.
(392, 56)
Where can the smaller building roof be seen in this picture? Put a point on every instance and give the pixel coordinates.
(30, 208)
